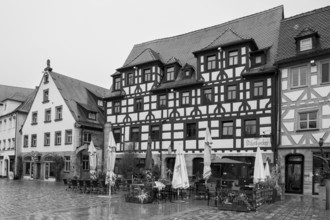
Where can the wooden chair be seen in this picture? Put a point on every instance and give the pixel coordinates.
(74, 184)
(88, 186)
(81, 186)
(201, 191)
(67, 183)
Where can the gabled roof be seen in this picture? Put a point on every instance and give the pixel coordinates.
(25, 107)
(224, 38)
(147, 55)
(306, 32)
(173, 60)
(263, 27)
(316, 20)
(14, 93)
(75, 91)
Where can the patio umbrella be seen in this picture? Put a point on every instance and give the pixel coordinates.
(180, 174)
(267, 170)
(259, 171)
(92, 160)
(149, 155)
(207, 154)
(111, 161)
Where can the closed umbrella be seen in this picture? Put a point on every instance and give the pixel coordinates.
(149, 155)
(207, 154)
(92, 160)
(267, 170)
(180, 174)
(259, 171)
(111, 161)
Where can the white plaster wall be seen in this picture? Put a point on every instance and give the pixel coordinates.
(67, 122)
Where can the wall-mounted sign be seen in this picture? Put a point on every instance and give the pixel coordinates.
(257, 142)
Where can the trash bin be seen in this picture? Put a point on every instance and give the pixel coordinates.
(11, 175)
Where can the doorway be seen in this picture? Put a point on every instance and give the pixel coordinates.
(294, 173)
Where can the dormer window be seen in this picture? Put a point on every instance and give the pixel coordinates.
(187, 74)
(170, 74)
(46, 78)
(258, 59)
(306, 44)
(130, 79)
(99, 102)
(117, 83)
(92, 115)
(147, 75)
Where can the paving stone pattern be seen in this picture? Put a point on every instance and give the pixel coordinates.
(29, 200)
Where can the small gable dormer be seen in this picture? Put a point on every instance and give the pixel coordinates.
(258, 57)
(171, 69)
(307, 40)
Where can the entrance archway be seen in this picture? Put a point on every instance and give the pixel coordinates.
(294, 173)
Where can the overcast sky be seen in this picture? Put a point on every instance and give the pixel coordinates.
(89, 39)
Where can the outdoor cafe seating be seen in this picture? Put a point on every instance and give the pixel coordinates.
(87, 186)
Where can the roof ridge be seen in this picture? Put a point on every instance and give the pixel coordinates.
(212, 27)
(306, 13)
(147, 49)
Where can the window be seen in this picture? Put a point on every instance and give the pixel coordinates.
(67, 163)
(116, 107)
(211, 62)
(46, 78)
(325, 73)
(138, 104)
(47, 139)
(258, 88)
(117, 83)
(26, 141)
(185, 98)
(85, 162)
(154, 133)
(33, 140)
(251, 127)
(46, 95)
(68, 136)
(227, 128)
(191, 131)
(299, 76)
(187, 74)
(34, 118)
(147, 75)
(58, 113)
(48, 115)
(231, 92)
(92, 115)
(116, 134)
(87, 137)
(308, 120)
(4, 145)
(130, 79)
(135, 134)
(99, 102)
(58, 137)
(233, 58)
(162, 101)
(257, 59)
(306, 44)
(170, 74)
(207, 96)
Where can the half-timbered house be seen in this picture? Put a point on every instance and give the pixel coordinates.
(304, 61)
(222, 77)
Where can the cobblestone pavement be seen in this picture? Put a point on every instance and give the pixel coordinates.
(22, 199)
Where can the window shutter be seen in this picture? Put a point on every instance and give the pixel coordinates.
(295, 78)
(325, 73)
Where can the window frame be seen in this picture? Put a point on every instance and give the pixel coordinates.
(26, 141)
(138, 104)
(117, 135)
(85, 162)
(228, 97)
(170, 73)
(116, 109)
(129, 79)
(33, 140)
(92, 116)
(162, 100)
(58, 138)
(146, 73)
(67, 164)
(211, 64)
(191, 132)
(34, 119)
(232, 127)
(299, 76)
(184, 98)
(317, 124)
(46, 137)
(206, 100)
(68, 136)
(310, 44)
(327, 74)
(48, 112)
(45, 96)
(87, 137)
(117, 83)
(133, 137)
(59, 114)
(154, 134)
(246, 134)
(231, 58)
(260, 88)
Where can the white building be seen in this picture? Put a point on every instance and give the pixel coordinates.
(65, 116)
(14, 105)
